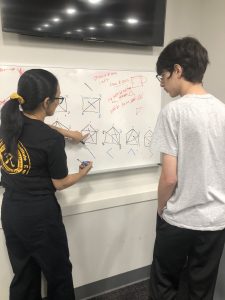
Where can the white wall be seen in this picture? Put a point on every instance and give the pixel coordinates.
(213, 22)
(116, 240)
(182, 18)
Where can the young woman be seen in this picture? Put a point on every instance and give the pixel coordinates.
(33, 167)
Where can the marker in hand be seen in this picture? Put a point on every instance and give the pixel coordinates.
(85, 163)
(84, 137)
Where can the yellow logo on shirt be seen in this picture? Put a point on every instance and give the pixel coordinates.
(9, 166)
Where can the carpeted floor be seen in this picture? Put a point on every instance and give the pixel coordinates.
(137, 291)
(140, 291)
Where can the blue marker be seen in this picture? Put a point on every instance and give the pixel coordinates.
(84, 163)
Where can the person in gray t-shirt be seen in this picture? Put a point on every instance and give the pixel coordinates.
(190, 134)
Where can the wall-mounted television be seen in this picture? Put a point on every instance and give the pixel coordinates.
(135, 22)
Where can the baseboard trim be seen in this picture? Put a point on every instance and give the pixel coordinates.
(112, 283)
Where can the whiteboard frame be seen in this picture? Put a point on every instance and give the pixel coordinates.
(71, 68)
(124, 169)
(91, 69)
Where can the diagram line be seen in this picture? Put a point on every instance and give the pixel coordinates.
(88, 86)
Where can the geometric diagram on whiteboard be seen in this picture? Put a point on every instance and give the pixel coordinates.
(148, 138)
(92, 137)
(62, 108)
(132, 137)
(112, 136)
(91, 105)
(86, 148)
(88, 86)
(60, 125)
(138, 81)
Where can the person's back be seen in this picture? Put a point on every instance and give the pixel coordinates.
(38, 145)
(199, 123)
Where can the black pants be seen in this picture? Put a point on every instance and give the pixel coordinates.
(36, 242)
(179, 250)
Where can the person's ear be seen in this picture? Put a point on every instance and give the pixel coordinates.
(45, 103)
(178, 70)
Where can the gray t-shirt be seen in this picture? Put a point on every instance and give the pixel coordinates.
(192, 128)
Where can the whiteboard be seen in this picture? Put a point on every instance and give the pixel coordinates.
(117, 108)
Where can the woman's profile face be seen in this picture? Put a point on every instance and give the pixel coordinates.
(53, 103)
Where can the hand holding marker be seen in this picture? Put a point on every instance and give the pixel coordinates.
(84, 163)
(84, 167)
(84, 137)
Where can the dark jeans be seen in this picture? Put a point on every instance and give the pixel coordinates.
(36, 242)
(178, 251)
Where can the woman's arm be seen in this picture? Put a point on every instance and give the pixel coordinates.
(77, 136)
(71, 179)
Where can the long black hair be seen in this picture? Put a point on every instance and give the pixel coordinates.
(33, 86)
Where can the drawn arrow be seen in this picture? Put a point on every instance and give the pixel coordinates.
(132, 151)
(109, 153)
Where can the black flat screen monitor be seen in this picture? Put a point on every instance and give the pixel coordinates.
(135, 22)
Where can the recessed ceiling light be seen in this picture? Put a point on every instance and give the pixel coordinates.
(91, 28)
(132, 21)
(94, 1)
(56, 20)
(46, 25)
(109, 24)
(39, 29)
(78, 30)
(68, 32)
(71, 11)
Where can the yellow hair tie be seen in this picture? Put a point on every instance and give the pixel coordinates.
(15, 96)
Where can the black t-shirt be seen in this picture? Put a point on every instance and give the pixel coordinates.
(41, 156)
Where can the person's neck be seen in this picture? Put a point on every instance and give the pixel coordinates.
(35, 116)
(192, 88)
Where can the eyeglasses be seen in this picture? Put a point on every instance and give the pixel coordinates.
(165, 74)
(159, 77)
(61, 99)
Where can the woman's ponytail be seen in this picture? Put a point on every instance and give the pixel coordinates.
(12, 124)
(34, 86)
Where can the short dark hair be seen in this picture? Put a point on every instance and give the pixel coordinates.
(189, 54)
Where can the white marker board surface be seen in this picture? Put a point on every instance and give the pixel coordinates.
(117, 108)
